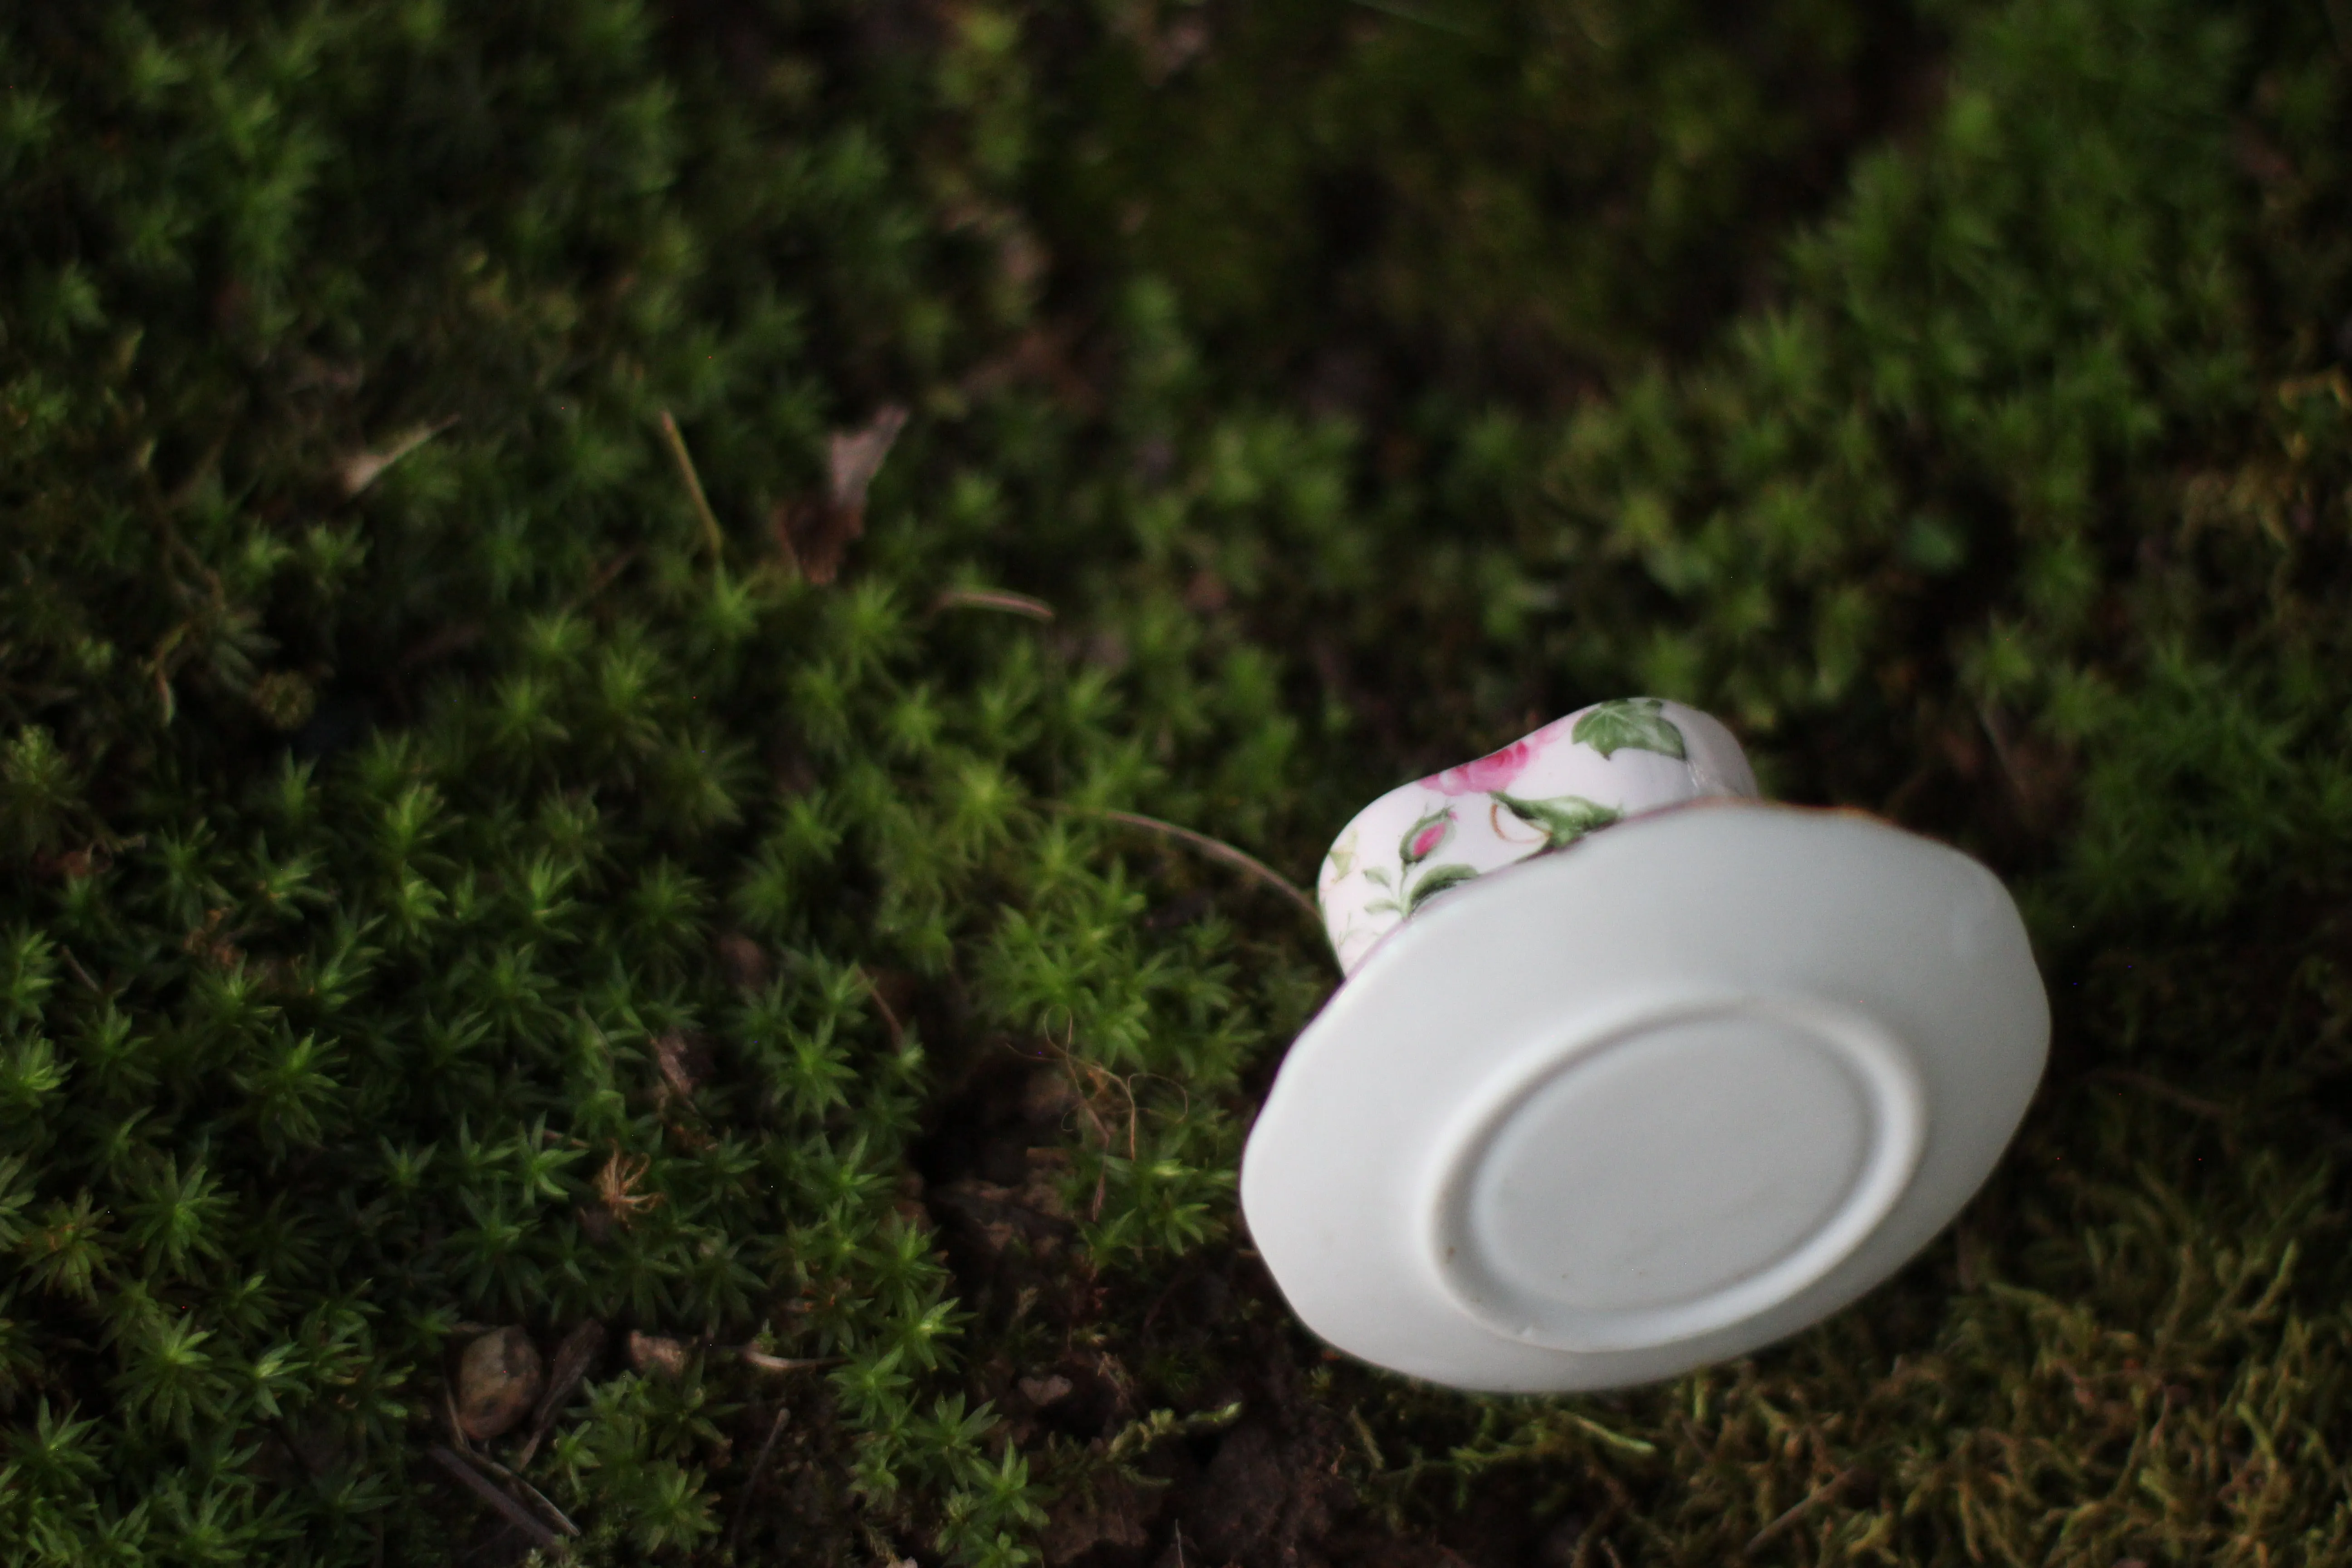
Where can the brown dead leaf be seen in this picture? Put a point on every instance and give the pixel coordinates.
(655, 1356)
(684, 1064)
(573, 1358)
(357, 470)
(816, 534)
(854, 457)
(1042, 1392)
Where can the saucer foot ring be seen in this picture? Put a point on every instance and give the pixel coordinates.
(1660, 1100)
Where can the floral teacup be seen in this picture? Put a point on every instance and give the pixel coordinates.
(1592, 1119)
(1541, 793)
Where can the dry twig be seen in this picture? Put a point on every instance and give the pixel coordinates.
(1215, 848)
(760, 1361)
(759, 1474)
(993, 599)
(484, 1462)
(603, 578)
(490, 1492)
(713, 540)
(889, 1018)
(1812, 1500)
(79, 972)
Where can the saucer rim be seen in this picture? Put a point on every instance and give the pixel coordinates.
(1383, 1278)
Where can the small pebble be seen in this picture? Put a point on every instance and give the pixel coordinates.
(497, 1382)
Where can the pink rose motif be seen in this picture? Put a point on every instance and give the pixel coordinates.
(1493, 772)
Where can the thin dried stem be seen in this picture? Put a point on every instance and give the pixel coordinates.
(760, 1361)
(993, 599)
(1215, 848)
(485, 1463)
(1812, 1500)
(603, 578)
(1074, 1065)
(79, 973)
(711, 538)
(490, 1492)
(889, 1018)
(759, 1474)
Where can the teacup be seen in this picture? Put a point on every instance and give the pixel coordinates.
(1631, 1072)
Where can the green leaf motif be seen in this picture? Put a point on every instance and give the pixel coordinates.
(1342, 857)
(1636, 722)
(1438, 879)
(1564, 818)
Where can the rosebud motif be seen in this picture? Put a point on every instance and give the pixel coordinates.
(1424, 838)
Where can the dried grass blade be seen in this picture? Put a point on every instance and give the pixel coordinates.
(993, 599)
(713, 540)
(1215, 848)
(491, 1493)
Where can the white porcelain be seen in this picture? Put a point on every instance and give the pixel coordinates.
(1599, 1117)
(1541, 793)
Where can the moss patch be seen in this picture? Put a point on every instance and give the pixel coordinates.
(604, 611)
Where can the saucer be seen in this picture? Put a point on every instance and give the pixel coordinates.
(1656, 1099)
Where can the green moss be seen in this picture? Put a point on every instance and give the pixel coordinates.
(454, 879)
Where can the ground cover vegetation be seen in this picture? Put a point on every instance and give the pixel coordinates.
(603, 610)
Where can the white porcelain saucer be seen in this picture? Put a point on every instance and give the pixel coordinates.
(1659, 1099)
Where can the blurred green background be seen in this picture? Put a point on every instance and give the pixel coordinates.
(599, 602)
